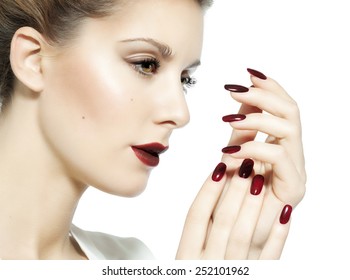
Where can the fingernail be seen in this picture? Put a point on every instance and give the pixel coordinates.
(219, 172)
(236, 88)
(246, 168)
(233, 118)
(257, 184)
(256, 73)
(285, 214)
(231, 149)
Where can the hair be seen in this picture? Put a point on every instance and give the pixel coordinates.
(56, 20)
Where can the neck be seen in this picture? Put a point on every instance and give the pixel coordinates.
(37, 198)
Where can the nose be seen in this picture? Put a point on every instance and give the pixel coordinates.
(172, 109)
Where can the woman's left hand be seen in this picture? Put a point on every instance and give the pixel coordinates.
(226, 221)
(267, 108)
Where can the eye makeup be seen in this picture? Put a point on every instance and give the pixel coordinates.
(148, 61)
(146, 66)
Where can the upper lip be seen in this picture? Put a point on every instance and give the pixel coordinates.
(152, 148)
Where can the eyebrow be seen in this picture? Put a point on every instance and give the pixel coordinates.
(164, 49)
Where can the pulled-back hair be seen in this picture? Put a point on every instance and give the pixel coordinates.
(56, 20)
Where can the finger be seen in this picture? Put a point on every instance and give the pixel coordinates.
(287, 182)
(199, 215)
(268, 124)
(270, 208)
(268, 95)
(275, 243)
(287, 133)
(225, 215)
(268, 101)
(242, 233)
(239, 137)
(247, 109)
(242, 136)
(279, 131)
(262, 81)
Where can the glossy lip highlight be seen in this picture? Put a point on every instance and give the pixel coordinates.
(148, 154)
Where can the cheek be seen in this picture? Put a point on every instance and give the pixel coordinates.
(89, 94)
(90, 118)
(89, 90)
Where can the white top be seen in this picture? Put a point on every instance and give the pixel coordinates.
(102, 246)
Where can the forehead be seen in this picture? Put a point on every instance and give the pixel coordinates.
(176, 23)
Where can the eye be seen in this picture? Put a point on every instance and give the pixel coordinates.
(188, 82)
(147, 66)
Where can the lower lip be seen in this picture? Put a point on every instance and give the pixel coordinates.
(146, 158)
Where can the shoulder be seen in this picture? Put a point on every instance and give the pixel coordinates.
(98, 245)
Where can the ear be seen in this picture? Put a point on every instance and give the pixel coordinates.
(26, 61)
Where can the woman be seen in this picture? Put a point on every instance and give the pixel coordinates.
(91, 92)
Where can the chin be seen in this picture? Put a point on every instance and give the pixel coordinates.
(131, 188)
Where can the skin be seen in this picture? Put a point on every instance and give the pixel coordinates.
(78, 109)
(233, 223)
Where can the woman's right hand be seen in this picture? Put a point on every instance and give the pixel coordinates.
(222, 221)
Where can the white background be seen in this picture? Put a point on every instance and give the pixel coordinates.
(304, 45)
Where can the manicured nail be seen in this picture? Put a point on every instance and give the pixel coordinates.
(236, 88)
(246, 168)
(219, 172)
(256, 73)
(257, 184)
(234, 118)
(231, 149)
(285, 214)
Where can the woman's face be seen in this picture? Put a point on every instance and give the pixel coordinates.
(113, 97)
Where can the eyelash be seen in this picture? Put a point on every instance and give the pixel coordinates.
(140, 65)
(154, 63)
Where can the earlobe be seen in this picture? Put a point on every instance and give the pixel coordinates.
(26, 60)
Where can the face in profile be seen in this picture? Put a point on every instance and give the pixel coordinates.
(114, 95)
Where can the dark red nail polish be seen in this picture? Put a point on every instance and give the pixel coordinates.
(236, 88)
(256, 73)
(285, 214)
(231, 149)
(257, 185)
(219, 172)
(246, 168)
(234, 118)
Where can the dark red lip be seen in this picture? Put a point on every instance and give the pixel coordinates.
(148, 154)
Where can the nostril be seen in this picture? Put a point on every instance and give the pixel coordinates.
(171, 123)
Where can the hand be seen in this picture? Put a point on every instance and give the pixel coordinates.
(227, 221)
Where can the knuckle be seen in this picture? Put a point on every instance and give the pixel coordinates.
(291, 193)
(304, 177)
(280, 153)
(194, 215)
(297, 194)
(301, 192)
(241, 237)
(222, 221)
(292, 129)
(293, 109)
(301, 189)
(280, 234)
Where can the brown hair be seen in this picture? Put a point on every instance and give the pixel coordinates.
(56, 20)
